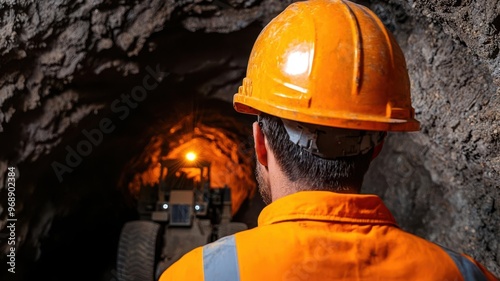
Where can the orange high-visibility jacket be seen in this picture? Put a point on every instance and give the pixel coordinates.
(319, 235)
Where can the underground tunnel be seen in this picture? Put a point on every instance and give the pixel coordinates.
(94, 95)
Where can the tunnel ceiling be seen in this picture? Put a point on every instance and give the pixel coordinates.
(156, 77)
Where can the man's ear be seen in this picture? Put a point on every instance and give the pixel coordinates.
(377, 149)
(260, 144)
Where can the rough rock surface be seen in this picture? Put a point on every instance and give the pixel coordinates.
(63, 64)
(446, 181)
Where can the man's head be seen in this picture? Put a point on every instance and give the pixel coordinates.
(296, 169)
(326, 77)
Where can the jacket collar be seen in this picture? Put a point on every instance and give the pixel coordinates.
(327, 206)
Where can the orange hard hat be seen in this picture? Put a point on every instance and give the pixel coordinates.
(330, 63)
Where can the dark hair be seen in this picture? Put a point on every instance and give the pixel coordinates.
(309, 171)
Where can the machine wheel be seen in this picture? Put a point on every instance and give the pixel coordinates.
(231, 228)
(137, 251)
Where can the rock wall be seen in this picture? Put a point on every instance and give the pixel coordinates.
(443, 182)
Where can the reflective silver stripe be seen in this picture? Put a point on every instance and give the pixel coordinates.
(220, 261)
(470, 271)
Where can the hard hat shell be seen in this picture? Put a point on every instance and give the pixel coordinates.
(331, 63)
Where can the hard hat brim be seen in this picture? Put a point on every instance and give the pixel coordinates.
(249, 105)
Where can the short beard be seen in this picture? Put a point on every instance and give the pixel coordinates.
(264, 188)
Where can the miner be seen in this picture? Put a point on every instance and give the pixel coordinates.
(326, 81)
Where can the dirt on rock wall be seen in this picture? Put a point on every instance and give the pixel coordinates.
(445, 185)
(64, 63)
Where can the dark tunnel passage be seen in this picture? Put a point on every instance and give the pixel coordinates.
(88, 186)
(94, 95)
(86, 213)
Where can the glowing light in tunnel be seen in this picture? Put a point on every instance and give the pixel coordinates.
(191, 156)
(231, 162)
